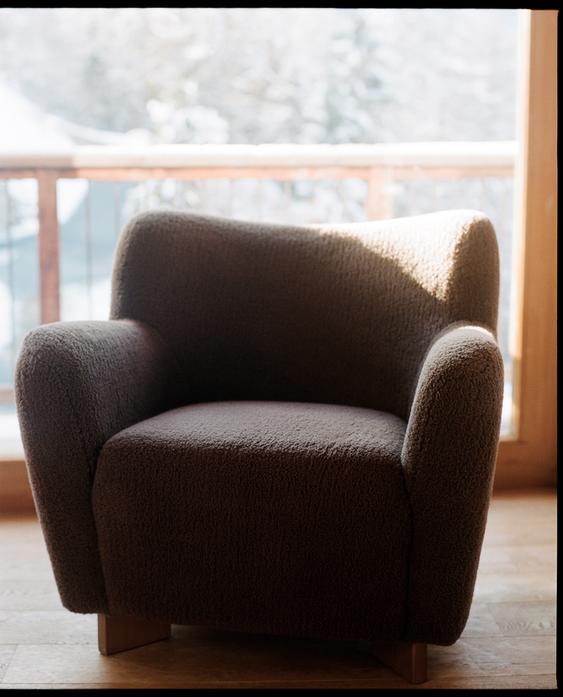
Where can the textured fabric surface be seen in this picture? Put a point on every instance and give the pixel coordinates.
(389, 325)
(332, 314)
(448, 457)
(278, 517)
(78, 383)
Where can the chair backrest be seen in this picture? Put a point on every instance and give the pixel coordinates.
(339, 314)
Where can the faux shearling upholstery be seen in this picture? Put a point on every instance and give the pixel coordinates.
(256, 508)
(329, 314)
(448, 459)
(77, 384)
(280, 429)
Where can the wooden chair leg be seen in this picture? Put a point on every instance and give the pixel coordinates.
(117, 634)
(405, 658)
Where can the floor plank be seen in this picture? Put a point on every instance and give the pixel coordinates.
(209, 659)
(46, 627)
(6, 655)
(509, 640)
(29, 594)
(517, 619)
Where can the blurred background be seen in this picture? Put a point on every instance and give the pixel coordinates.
(432, 92)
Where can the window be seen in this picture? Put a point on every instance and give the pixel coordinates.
(409, 110)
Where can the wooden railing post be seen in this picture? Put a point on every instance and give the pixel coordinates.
(48, 246)
(377, 204)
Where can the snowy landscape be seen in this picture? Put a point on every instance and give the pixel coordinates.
(129, 76)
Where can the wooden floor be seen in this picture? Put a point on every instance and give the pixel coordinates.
(509, 641)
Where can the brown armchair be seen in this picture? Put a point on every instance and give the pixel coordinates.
(287, 430)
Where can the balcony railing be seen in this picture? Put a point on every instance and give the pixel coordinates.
(377, 173)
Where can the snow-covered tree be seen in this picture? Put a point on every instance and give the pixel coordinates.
(251, 75)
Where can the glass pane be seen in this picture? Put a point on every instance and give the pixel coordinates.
(266, 75)
(19, 293)
(304, 76)
(87, 222)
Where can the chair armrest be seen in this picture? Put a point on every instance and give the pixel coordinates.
(78, 383)
(448, 458)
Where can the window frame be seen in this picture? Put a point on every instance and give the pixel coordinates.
(528, 457)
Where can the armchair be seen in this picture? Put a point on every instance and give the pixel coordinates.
(287, 430)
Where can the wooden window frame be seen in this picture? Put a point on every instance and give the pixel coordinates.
(528, 457)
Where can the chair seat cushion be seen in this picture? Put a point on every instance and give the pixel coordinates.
(275, 517)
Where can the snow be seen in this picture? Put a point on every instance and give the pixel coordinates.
(129, 78)
(24, 126)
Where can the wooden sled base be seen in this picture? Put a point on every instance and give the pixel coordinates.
(407, 659)
(117, 634)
